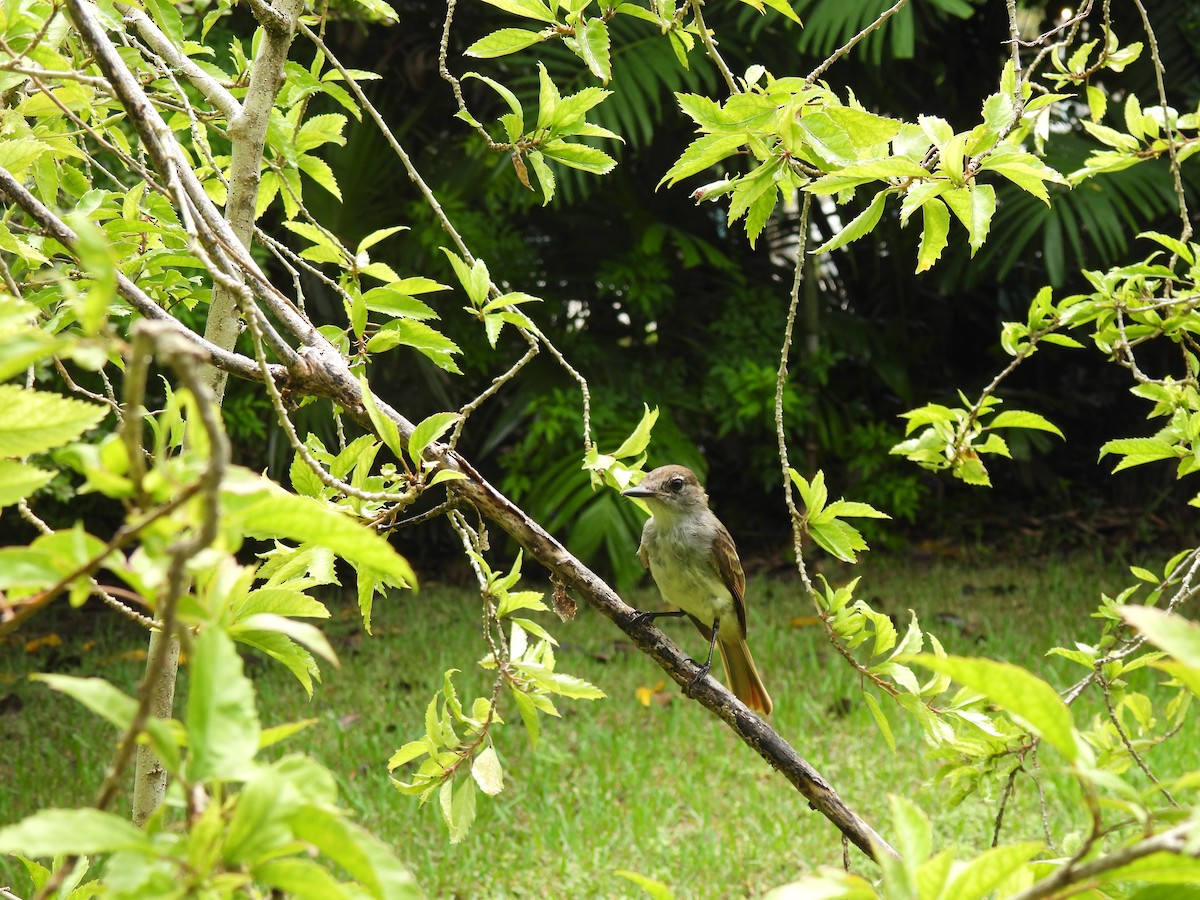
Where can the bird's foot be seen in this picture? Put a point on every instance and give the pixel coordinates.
(700, 675)
(642, 617)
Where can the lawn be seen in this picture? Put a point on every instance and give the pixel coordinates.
(662, 789)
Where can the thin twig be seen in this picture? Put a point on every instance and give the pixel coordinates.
(710, 46)
(850, 44)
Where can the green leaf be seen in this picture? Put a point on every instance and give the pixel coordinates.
(384, 426)
(814, 494)
(1179, 248)
(701, 153)
(23, 349)
(1016, 418)
(655, 889)
(974, 206)
(854, 510)
(1097, 102)
(422, 338)
(117, 708)
(861, 173)
(19, 480)
(378, 235)
(860, 226)
(429, 430)
(838, 538)
(593, 43)
(458, 808)
(936, 227)
(487, 772)
(1026, 698)
(36, 421)
(914, 834)
(529, 9)
(260, 509)
(319, 130)
(508, 96)
(982, 875)
(320, 172)
(301, 632)
(1138, 451)
(557, 683)
(782, 6)
(367, 859)
(18, 154)
(640, 439)
(881, 720)
(55, 832)
(297, 877)
(222, 720)
(1172, 633)
(865, 129)
(502, 43)
(579, 156)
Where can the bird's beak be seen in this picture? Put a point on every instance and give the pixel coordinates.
(638, 491)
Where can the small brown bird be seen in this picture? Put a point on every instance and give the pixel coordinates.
(695, 565)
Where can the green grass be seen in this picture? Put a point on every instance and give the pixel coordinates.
(664, 790)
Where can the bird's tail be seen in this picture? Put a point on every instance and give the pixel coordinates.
(744, 680)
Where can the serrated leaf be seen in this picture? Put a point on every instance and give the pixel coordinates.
(640, 438)
(701, 153)
(301, 632)
(593, 42)
(502, 43)
(579, 156)
(860, 226)
(429, 430)
(1138, 451)
(19, 480)
(378, 235)
(320, 172)
(973, 205)
(508, 96)
(487, 772)
(421, 337)
(222, 721)
(272, 513)
(881, 721)
(1016, 418)
(1173, 633)
(782, 6)
(980, 876)
(384, 426)
(1022, 695)
(59, 832)
(936, 227)
(36, 421)
(529, 9)
(838, 538)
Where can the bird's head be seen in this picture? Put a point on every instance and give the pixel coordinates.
(670, 489)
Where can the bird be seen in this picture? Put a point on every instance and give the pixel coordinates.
(693, 561)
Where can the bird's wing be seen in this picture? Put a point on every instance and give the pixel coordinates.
(730, 569)
(644, 547)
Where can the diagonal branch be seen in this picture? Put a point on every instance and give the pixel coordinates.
(319, 370)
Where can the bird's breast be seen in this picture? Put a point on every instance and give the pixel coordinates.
(682, 566)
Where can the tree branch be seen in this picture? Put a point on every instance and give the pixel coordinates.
(248, 133)
(1174, 840)
(232, 363)
(322, 371)
(206, 84)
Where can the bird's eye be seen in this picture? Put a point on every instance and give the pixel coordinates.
(676, 484)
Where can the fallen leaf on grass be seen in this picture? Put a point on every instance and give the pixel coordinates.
(657, 694)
